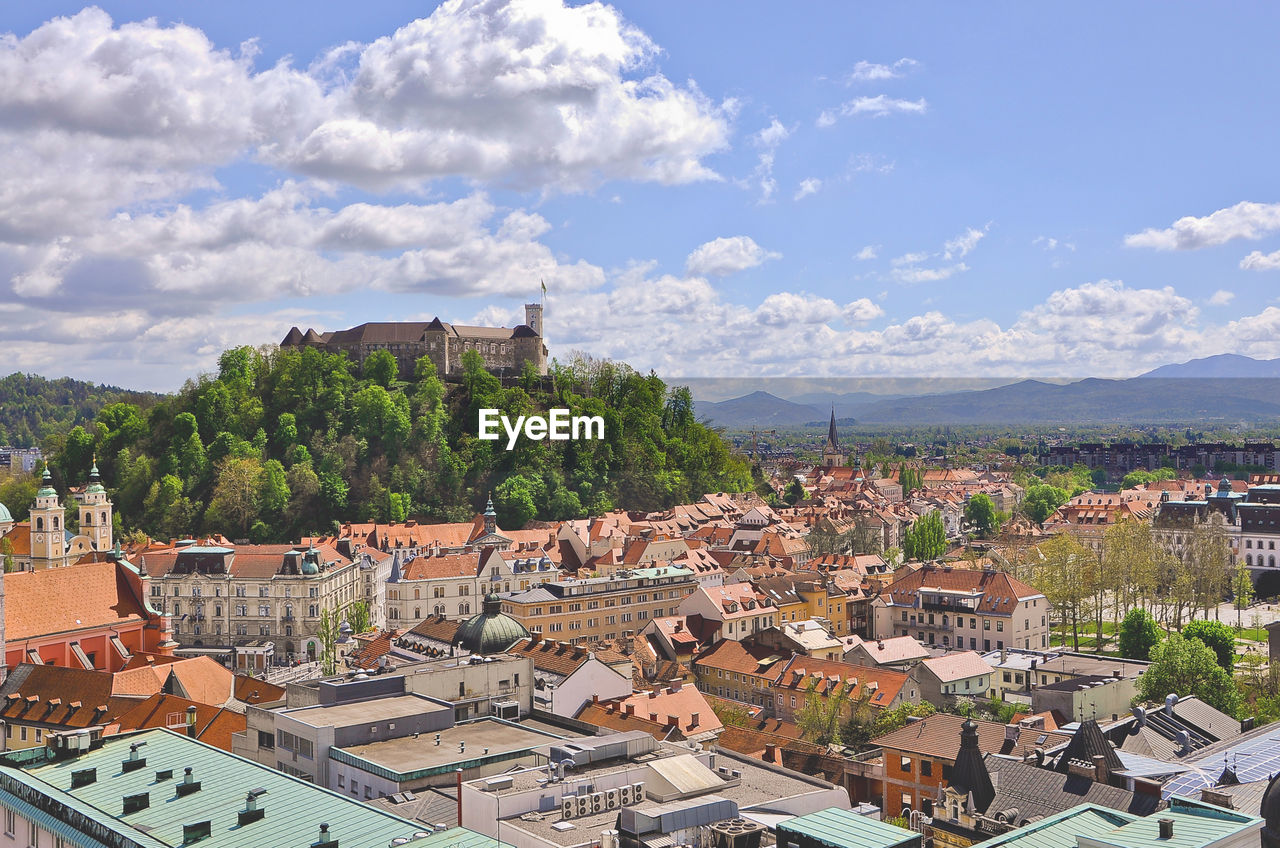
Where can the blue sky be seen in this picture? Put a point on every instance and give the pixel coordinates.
(709, 189)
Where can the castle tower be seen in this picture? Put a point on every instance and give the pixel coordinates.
(533, 317)
(48, 539)
(95, 511)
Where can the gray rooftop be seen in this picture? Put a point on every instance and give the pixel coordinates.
(370, 710)
(407, 755)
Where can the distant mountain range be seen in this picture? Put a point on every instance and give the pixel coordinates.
(1225, 388)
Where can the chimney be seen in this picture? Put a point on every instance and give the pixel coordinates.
(1170, 701)
(672, 721)
(631, 709)
(326, 838)
(770, 752)
(1100, 773)
(595, 698)
(693, 721)
(653, 693)
(1166, 828)
(191, 721)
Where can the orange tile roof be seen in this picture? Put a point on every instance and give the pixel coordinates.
(19, 537)
(1000, 592)
(731, 655)
(442, 567)
(58, 696)
(202, 679)
(254, 690)
(63, 600)
(609, 714)
(828, 675)
(683, 705)
(214, 725)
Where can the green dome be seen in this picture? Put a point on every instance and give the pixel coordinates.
(490, 632)
(46, 486)
(5, 515)
(95, 480)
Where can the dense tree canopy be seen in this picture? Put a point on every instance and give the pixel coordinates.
(1138, 634)
(1187, 667)
(280, 443)
(925, 539)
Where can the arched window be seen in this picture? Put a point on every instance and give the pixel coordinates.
(439, 610)
(104, 519)
(88, 518)
(1248, 559)
(39, 523)
(55, 522)
(417, 594)
(1271, 560)
(417, 612)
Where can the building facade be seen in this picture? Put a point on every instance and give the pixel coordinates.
(505, 350)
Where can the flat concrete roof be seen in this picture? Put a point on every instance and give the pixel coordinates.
(407, 754)
(360, 712)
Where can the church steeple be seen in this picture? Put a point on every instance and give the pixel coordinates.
(831, 453)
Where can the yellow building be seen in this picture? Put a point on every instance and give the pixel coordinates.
(592, 610)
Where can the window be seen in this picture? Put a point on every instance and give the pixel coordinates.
(264, 591)
(926, 768)
(10, 822)
(986, 624)
(905, 764)
(341, 781)
(264, 610)
(1000, 626)
(33, 830)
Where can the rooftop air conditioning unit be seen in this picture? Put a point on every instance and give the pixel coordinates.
(624, 795)
(584, 805)
(611, 799)
(637, 792)
(568, 806)
(597, 802)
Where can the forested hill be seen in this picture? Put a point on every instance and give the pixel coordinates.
(284, 443)
(33, 407)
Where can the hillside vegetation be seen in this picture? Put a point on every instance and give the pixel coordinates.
(280, 443)
(32, 407)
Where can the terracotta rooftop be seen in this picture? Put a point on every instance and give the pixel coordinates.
(57, 696)
(62, 600)
(214, 725)
(939, 736)
(829, 675)
(958, 666)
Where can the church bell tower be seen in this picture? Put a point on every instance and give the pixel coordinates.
(95, 512)
(48, 537)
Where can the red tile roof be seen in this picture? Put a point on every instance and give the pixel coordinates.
(939, 736)
(828, 675)
(1000, 592)
(214, 725)
(62, 600)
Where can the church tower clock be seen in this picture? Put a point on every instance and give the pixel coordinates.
(48, 536)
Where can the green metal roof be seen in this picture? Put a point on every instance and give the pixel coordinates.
(5, 515)
(294, 808)
(1194, 825)
(1061, 830)
(847, 829)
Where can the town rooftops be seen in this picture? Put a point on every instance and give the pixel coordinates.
(424, 755)
(91, 787)
(895, 650)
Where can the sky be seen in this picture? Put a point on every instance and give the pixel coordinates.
(712, 189)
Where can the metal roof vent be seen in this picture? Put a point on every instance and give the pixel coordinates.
(189, 785)
(134, 762)
(195, 832)
(251, 812)
(326, 839)
(134, 803)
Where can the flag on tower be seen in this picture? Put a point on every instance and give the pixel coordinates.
(544, 285)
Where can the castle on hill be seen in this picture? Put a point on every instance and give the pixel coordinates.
(505, 350)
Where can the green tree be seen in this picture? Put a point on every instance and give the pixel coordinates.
(236, 496)
(1066, 575)
(1217, 636)
(273, 490)
(358, 616)
(6, 554)
(1041, 500)
(981, 514)
(380, 367)
(1138, 634)
(1189, 667)
(926, 539)
(1241, 590)
(819, 718)
(794, 493)
(327, 633)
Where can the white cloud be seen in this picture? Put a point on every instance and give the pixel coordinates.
(865, 71)
(876, 107)
(914, 274)
(787, 308)
(1221, 297)
(861, 311)
(1259, 261)
(767, 140)
(1051, 244)
(725, 256)
(808, 186)
(961, 245)
(1244, 220)
(869, 251)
